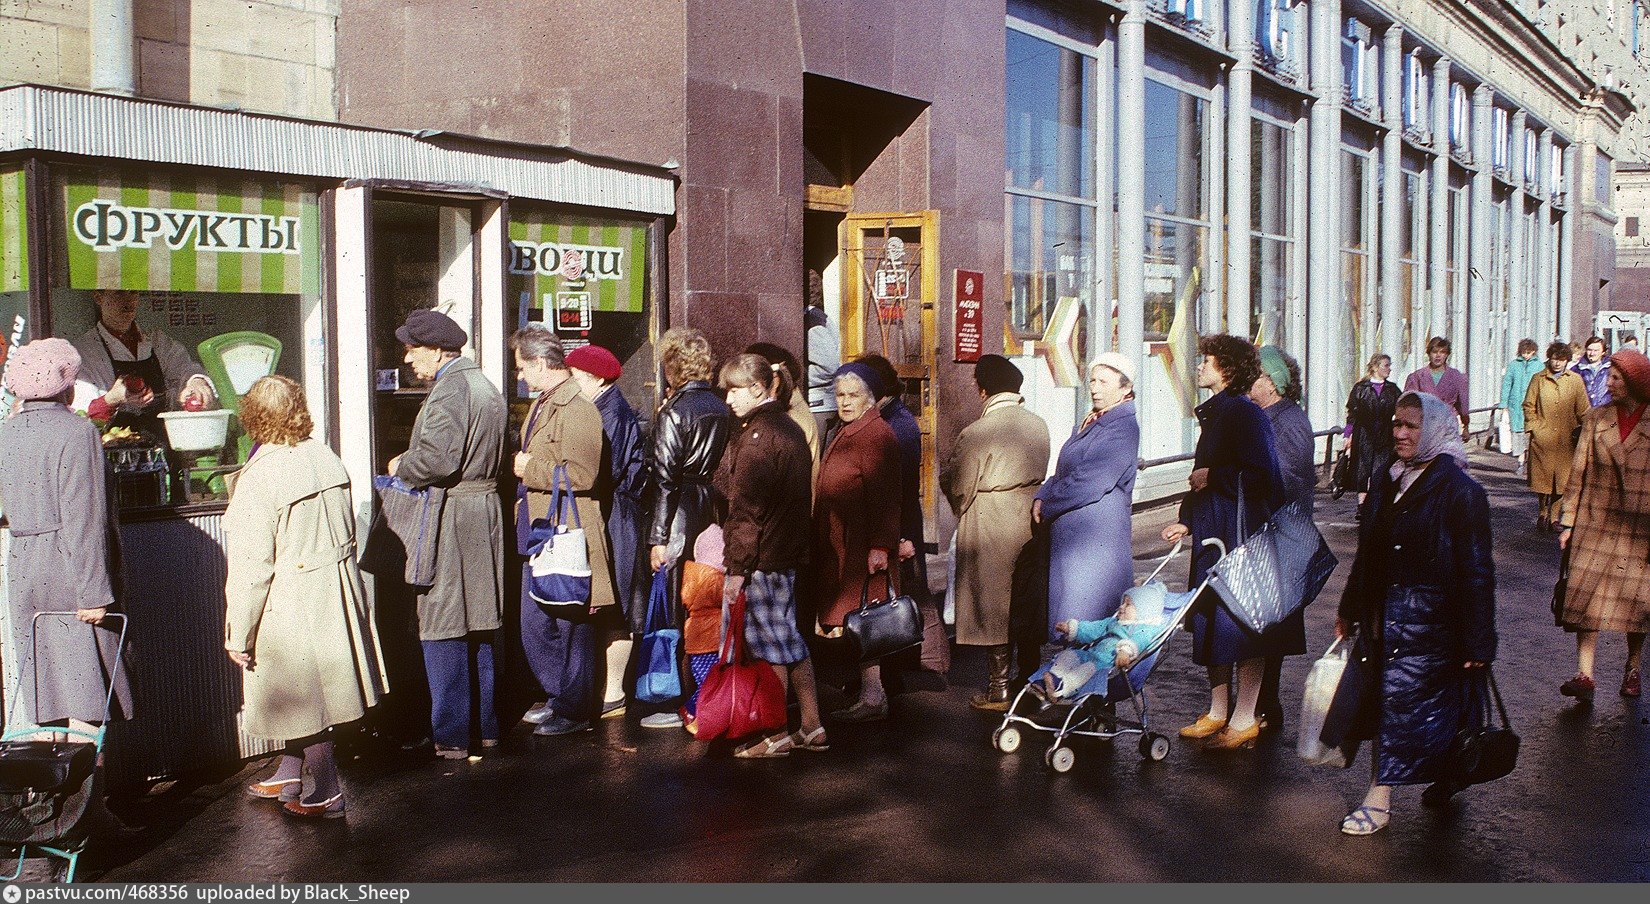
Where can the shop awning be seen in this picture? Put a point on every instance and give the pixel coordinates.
(33, 117)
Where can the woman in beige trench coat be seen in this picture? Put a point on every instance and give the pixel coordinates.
(995, 471)
(299, 623)
(1605, 526)
(1554, 404)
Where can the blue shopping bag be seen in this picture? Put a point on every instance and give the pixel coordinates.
(659, 680)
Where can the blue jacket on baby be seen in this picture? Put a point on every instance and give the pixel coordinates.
(1109, 632)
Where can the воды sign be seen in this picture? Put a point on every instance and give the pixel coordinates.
(969, 288)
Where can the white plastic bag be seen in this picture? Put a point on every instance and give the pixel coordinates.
(1321, 683)
(1503, 432)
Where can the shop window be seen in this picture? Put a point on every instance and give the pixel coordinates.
(587, 279)
(1272, 238)
(1050, 125)
(224, 272)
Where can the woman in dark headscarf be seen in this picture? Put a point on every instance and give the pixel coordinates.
(1422, 598)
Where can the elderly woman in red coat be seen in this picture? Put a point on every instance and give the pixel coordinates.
(856, 519)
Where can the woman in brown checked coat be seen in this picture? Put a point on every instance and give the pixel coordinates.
(1605, 526)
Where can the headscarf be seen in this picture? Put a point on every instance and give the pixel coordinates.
(863, 371)
(1274, 366)
(1634, 368)
(1440, 435)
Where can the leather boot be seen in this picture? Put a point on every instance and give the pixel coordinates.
(995, 698)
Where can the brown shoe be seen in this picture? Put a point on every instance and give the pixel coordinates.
(282, 790)
(989, 702)
(1229, 738)
(1203, 727)
(331, 808)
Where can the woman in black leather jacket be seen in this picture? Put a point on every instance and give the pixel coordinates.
(689, 434)
(1422, 594)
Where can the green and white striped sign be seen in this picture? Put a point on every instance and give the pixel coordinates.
(185, 234)
(14, 233)
(602, 265)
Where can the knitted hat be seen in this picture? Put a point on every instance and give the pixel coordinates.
(596, 361)
(1272, 363)
(863, 371)
(707, 549)
(1117, 361)
(1634, 367)
(995, 374)
(42, 369)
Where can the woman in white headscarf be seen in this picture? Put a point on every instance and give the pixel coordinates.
(1421, 598)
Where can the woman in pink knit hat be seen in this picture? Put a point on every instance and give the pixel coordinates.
(55, 495)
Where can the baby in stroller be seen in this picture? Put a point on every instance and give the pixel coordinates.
(1095, 646)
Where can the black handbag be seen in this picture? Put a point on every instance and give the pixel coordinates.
(45, 787)
(1340, 476)
(1561, 587)
(883, 627)
(1484, 752)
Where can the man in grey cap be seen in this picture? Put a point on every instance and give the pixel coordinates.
(457, 442)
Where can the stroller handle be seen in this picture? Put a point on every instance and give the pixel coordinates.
(1217, 543)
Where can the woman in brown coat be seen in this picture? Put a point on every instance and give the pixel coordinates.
(1605, 526)
(856, 519)
(1554, 404)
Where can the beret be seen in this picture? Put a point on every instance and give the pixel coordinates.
(433, 329)
(42, 369)
(596, 361)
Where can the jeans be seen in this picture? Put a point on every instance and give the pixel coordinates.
(461, 686)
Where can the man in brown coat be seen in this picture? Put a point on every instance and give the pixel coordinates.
(999, 462)
(1554, 405)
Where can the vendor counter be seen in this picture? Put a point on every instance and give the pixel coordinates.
(186, 692)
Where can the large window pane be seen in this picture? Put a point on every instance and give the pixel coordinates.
(1271, 179)
(1173, 151)
(1050, 120)
(1270, 263)
(1050, 257)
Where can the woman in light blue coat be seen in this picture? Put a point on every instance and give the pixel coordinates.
(1515, 381)
(1087, 502)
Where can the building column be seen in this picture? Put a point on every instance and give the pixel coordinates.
(1389, 326)
(1131, 184)
(1105, 283)
(1240, 36)
(1438, 260)
(1546, 245)
(1478, 257)
(1566, 250)
(1518, 319)
(113, 47)
(1326, 296)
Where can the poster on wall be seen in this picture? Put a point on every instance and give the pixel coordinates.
(970, 315)
(188, 234)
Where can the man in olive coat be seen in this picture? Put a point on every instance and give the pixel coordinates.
(457, 441)
(999, 462)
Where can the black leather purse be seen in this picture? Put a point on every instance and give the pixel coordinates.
(1485, 752)
(883, 627)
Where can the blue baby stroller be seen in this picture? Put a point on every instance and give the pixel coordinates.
(1091, 711)
(47, 786)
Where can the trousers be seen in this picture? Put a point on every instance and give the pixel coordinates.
(460, 671)
(561, 653)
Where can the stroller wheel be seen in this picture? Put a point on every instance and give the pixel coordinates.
(1006, 739)
(1060, 758)
(1154, 747)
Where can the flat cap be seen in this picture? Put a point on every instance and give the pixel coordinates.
(433, 329)
(995, 374)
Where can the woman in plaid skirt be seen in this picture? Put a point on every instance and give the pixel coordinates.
(1605, 526)
(766, 476)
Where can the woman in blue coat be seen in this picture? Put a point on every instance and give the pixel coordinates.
(1235, 487)
(1086, 504)
(1422, 598)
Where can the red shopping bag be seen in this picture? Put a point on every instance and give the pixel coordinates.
(740, 696)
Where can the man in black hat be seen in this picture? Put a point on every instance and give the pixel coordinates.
(457, 442)
(997, 465)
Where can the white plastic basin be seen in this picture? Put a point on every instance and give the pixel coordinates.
(196, 431)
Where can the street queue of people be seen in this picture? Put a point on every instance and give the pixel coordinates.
(799, 528)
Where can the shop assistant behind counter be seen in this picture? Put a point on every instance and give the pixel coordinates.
(128, 367)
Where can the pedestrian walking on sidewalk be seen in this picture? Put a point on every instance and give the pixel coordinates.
(766, 476)
(1278, 393)
(1515, 383)
(1594, 370)
(1604, 523)
(299, 622)
(991, 481)
(1440, 380)
(1368, 430)
(1420, 602)
(1554, 405)
(1235, 486)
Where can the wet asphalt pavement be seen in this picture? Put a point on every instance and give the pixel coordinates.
(924, 796)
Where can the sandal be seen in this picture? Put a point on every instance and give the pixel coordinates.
(765, 748)
(1363, 821)
(812, 740)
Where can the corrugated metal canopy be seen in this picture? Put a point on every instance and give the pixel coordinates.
(33, 117)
